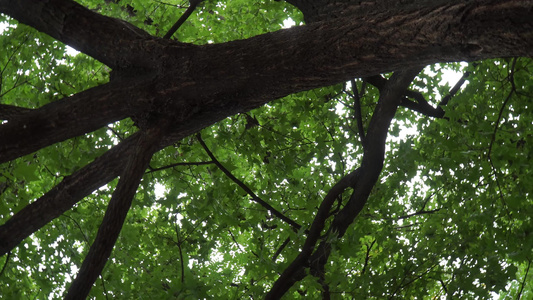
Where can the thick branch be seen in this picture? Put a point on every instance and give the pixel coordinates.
(66, 118)
(421, 105)
(115, 215)
(64, 195)
(10, 112)
(78, 27)
(333, 51)
(374, 153)
(80, 184)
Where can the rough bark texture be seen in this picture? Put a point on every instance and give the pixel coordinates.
(187, 80)
(189, 87)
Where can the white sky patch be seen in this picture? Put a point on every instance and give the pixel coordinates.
(71, 51)
(450, 76)
(3, 27)
(288, 23)
(159, 190)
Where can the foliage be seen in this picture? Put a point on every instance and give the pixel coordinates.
(450, 216)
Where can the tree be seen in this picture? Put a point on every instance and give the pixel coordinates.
(261, 196)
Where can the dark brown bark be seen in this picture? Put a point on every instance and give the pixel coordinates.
(78, 27)
(75, 187)
(185, 79)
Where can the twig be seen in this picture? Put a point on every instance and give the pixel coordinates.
(181, 164)
(524, 281)
(357, 111)
(177, 229)
(241, 184)
(5, 264)
(421, 212)
(513, 89)
(182, 19)
(367, 257)
(280, 249)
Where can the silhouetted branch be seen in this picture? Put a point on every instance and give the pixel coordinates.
(422, 212)
(280, 249)
(524, 280)
(455, 89)
(249, 191)
(115, 215)
(5, 264)
(183, 18)
(367, 257)
(64, 195)
(361, 180)
(181, 164)
(357, 111)
(295, 271)
(504, 105)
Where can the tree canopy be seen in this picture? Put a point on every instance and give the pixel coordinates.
(200, 150)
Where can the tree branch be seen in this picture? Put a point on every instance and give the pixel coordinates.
(84, 181)
(167, 71)
(78, 27)
(357, 111)
(362, 180)
(502, 108)
(295, 271)
(115, 215)
(10, 112)
(249, 191)
(200, 163)
(5, 263)
(524, 280)
(66, 118)
(367, 256)
(455, 89)
(64, 195)
(182, 19)
(280, 249)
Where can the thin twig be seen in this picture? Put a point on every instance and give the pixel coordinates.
(177, 229)
(182, 19)
(513, 89)
(280, 249)
(5, 264)
(241, 184)
(524, 281)
(181, 164)
(357, 111)
(367, 257)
